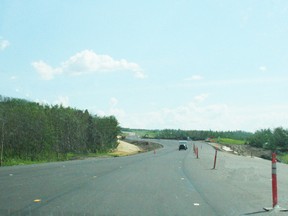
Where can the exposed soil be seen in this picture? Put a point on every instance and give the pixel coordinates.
(125, 148)
(129, 147)
(245, 150)
(145, 145)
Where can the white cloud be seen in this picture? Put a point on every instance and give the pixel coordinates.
(62, 100)
(113, 101)
(46, 71)
(199, 116)
(4, 44)
(194, 78)
(120, 114)
(139, 75)
(42, 101)
(263, 68)
(113, 110)
(191, 116)
(201, 97)
(85, 62)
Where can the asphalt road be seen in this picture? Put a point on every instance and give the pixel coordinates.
(170, 182)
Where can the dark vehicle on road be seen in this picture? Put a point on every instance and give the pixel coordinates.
(183, 145)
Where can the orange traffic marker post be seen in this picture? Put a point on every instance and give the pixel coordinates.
(274, 180)
(215, 159)
(275, 205)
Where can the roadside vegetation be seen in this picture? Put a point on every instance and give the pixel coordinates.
(32, 133)
(35, 133)
(275, 140)
(238, 136)
(231, 141)
(260, 144)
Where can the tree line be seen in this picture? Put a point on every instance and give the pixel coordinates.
(272, 139)
(190, 134)
(276, 139)
(202, 134)
(31, 131)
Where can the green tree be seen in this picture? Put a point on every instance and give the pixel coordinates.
(280, 138)
(41, 132)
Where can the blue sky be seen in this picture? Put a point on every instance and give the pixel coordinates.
(181, 64)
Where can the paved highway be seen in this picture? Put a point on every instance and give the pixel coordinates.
(170, 182)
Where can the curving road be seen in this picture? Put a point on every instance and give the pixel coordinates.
(170, 182)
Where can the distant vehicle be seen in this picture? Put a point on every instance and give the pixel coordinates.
(183, 145)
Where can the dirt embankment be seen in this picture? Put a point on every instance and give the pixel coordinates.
(125, 148)
(145, 145)
(130, 147)
(244, 150)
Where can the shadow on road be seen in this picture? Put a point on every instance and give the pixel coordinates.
(258, 212)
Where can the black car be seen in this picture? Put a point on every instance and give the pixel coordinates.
(183, 145)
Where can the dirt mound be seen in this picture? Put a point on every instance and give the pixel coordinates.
(246, 150)
(145, 145)
(127, 147)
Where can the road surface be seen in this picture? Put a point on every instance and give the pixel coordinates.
(170, 182)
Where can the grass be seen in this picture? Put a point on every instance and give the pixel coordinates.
(120, 154)
(146, 146)
(230, 141)
(283, 158)
(79, 156)
(67, 157)
(16, 161)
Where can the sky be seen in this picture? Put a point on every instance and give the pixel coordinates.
(166, 64)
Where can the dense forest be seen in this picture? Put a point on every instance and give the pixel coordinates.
(276, 139)
(30, 131)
